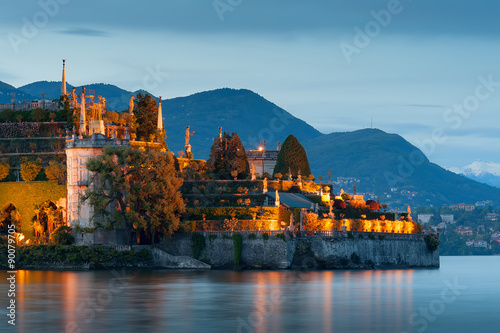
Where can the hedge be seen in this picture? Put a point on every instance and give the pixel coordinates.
(26, 195)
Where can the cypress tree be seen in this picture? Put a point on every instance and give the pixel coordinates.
(292, 155)
(228, 154)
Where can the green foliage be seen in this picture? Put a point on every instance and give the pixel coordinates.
(381, 237)
(98, 257)
(62, 236)
(197, 244)
(4, 168)
(292, 156)
(211, 238)
(56, 171)
(345, 196)
(432, 241)
(228, 155)
(252, 236)
(221, 213)
(30, 170)
(361, 236)
(265, 236)
(143, 184)
(350, 235)
(371, 236)
(38, 114)
(281, 236)
(146, 114)
(238, 244)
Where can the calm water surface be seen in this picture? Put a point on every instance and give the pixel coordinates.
(462, 296)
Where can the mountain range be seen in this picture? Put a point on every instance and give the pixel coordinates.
(481, 171)
(385, 164)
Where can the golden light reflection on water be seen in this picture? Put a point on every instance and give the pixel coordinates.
(333, 300)
(327, 301)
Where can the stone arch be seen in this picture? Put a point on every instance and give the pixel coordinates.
(9, 215)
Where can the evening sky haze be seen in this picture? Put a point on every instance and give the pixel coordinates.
(404, 76)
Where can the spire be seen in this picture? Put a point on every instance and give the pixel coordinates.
(160, 116)
(83, 121)
(63, 83)
(131, 105)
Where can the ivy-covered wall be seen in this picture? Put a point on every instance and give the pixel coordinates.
(26, 195)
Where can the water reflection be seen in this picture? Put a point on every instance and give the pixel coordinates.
(259, 301)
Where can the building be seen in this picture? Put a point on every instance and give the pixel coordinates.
(492, 217)
(89, 143)
(448, 218)
(480, 243)
(424, 218)
(462, 206)
(46, 104)
(263, 160)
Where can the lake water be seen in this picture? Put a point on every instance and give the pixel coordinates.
(462, 296)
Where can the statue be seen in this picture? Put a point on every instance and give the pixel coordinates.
(409, 214)
(131, 105)
(329, 176)
(253, 171)
(265, 186)
(299, 178)
(73, 97)
(289, 174)
(277, 201)
(330, 213)
(187, 135)
(220, 132)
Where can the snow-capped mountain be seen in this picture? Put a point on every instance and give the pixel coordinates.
(481, 171)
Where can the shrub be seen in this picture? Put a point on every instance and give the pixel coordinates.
(198, 244)
(432, 241)
(281, 236)
(381, 237)
(252, 236)
(30, 169)
(237, 242)
(361, 236)
(211, 238)
(265, 236)
(4, 169)
(62, 236)
(56, 172)
(350, 235)
(371, 236)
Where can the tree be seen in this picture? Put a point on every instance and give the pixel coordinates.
(143, 187)
(111, 117)
(146, 114)
(228, 155)
(292, 155)
(4, 168)
(38, 114)
(30, 169)
(56, 171)
(62, 236)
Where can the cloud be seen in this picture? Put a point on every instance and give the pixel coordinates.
(85, 32)
(425, 106)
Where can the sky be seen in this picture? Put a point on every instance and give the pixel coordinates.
(426, 70)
